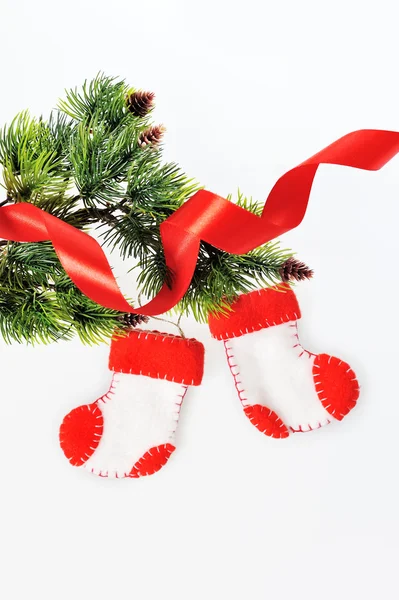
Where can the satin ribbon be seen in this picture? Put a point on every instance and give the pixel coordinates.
(205, 216)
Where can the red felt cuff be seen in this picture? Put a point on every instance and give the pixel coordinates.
(158, 355)
(256, 310)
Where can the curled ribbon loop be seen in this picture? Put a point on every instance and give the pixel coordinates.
(205, 216)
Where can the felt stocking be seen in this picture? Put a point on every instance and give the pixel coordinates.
(130, 430)
(282, 387)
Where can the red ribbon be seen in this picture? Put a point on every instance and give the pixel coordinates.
(205, 216)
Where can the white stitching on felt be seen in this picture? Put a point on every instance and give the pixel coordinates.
(171, 336)
(317, 382)
(228, 335)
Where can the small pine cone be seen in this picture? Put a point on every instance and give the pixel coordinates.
(294, 270)
(151, 136)
(140, 103)
(132, 319)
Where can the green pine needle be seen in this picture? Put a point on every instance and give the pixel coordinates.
(85, 165)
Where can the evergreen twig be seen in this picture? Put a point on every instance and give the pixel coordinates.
(97, 163)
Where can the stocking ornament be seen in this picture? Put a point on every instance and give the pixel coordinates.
(282, 387)
(130, 430)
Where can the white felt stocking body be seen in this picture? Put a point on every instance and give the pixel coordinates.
(283, 388)
(139, 414)
(130, 431)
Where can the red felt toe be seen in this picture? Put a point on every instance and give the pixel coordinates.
(336, 385)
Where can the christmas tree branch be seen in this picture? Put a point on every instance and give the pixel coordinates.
(97, 164)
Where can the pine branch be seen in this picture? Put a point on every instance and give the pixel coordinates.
(220, 277)
(102, 98)
(97, 163)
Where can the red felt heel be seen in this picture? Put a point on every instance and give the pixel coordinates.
(152, 461)
(336, 385)
(267, 421)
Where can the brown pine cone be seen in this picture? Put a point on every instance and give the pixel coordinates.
(140, 103)
(151, 136)
(294, 270)
(132, 319)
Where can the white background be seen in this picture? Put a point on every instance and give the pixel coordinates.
(247, 90)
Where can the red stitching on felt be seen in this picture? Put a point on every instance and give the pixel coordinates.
(111, 391)
(338, 407)
(299, 345)
(241, 393)
(236, 380)
(252, 410)
(179, 404)
(300, 430)
(147, 455)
